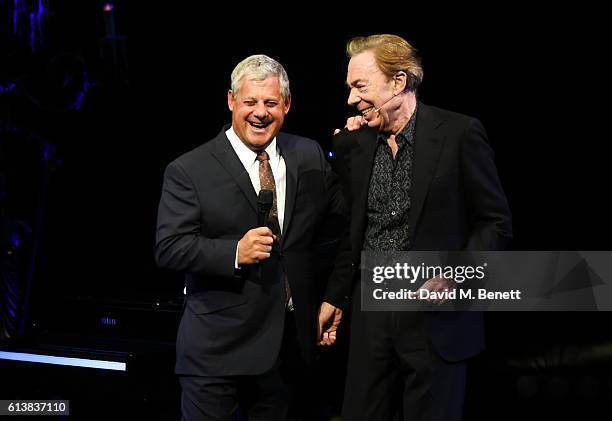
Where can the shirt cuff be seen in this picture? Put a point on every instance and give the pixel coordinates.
(236, 267)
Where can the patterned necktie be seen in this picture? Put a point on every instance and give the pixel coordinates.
(266, 180)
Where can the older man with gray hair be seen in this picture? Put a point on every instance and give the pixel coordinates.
(253, 313)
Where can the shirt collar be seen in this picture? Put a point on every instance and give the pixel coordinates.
(406, 133)
(246, 155)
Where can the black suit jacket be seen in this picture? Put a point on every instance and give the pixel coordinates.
(233, 321)
(457, 204)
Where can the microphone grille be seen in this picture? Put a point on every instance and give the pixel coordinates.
(265, 198)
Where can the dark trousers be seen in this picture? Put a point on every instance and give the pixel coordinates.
(284, 390)
(260, 398)
(394, 374)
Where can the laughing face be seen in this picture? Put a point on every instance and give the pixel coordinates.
(369, 87)
(258, 111)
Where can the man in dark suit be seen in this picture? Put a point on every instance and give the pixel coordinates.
(252, 304)
(415, 178)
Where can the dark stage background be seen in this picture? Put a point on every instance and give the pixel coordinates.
(111, 120)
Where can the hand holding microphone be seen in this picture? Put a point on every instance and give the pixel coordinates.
(256, 244)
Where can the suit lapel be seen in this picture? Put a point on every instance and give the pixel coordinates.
(291, 163)
(225, 154)
(428, 145)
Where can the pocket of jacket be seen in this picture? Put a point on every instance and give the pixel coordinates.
(212, 301)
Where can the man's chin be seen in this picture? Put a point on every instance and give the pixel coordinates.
(258, 141)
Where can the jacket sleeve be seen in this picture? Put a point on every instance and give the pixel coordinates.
(487, 206)
(180, 244)
(339, 284)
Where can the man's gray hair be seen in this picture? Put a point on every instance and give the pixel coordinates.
(260, 67)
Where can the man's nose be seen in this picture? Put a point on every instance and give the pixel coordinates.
(353, 98)
(260, 111)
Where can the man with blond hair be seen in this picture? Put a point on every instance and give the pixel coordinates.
(415, 177)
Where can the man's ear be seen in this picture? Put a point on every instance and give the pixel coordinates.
(400, 79)
(287, 104)
(230, 100)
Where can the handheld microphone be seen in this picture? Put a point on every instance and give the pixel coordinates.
(264, 204)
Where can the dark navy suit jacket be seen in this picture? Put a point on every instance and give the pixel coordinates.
(232, 323)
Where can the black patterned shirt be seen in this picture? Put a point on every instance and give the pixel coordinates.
(388, 205)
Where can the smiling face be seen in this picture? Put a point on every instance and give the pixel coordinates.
(369, 87)
(258, 111)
